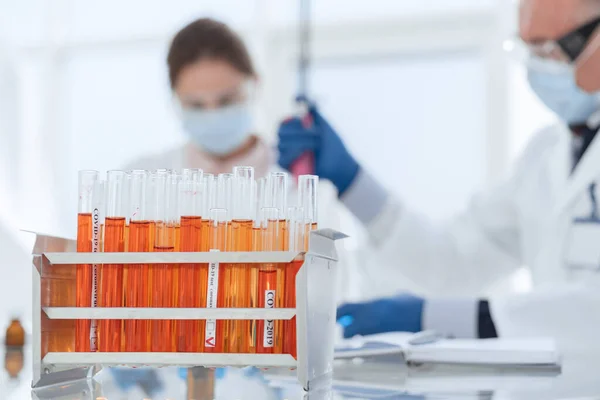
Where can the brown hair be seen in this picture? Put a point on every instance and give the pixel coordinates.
(207, 38)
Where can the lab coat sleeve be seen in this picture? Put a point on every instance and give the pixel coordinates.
(567, 313)
(461, 257)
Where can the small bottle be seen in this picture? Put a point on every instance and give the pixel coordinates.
(15, 334)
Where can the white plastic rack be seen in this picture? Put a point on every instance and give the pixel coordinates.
(314, 312)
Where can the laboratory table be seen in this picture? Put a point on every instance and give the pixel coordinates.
(579, 379)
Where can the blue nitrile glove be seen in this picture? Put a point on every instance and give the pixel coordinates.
(146, 378)
(396, 314)
(332, 160)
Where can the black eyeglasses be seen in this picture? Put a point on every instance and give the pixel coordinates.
(573, 43)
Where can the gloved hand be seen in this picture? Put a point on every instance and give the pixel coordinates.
(332, 160)
(396, 314)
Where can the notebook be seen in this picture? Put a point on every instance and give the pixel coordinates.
(526, 352)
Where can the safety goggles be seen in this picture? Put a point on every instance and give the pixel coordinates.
(200, 101)
(564, 50)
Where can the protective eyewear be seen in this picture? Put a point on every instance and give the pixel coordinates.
(564, 50)
(238, 95)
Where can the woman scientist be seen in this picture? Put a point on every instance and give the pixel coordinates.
(545, 216)
(213, 80)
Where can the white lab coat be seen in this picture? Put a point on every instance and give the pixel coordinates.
(527, 220)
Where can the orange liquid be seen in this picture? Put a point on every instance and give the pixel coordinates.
(178, 238)
(271, 282)
(238, 338)
(111, 285)
(216, 240)
(162, 289)
(289, 327)
(175, 278)
(84, 281)
(126, 237)
(257, 245)
(190, 333)
(136, 287)
(307, 228)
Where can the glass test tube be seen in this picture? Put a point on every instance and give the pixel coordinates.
(135, 276)
(214, 337)
(257, 245)
(189, 333)
(224, 197)
(296, 232)
(237, 276)
(308, 186)
(111, 275)
(164, 197)
(208, 201)
(278, 187)
(87, 181)
(270, 285)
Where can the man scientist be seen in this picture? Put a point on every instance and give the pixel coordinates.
(544, 216)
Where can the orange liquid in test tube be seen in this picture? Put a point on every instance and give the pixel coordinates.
(84, 281)
(271, 281)
(111, 285)
(190, 333)
(257, 245)
(214, 338)
(136, 287)
(162, 289)
(237, 288)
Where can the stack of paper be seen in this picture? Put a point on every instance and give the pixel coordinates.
(526, 352)
(540, 351)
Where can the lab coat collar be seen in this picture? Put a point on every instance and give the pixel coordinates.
(586, 171)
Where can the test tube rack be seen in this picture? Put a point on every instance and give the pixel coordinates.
(314, 312)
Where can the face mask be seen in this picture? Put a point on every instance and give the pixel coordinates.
(554, 83)
(220, 131)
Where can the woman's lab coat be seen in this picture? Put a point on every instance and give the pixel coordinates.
(542, 217)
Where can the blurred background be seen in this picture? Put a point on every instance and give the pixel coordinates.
(421, 90)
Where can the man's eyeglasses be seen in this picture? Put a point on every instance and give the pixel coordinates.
(565, 49)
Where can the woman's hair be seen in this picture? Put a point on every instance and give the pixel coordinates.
(207, 38)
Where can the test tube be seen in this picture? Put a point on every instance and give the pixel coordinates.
(175, 214)
(260, 200)
(214, 336)
(224, 198)
(308, 199)
(208, 201)
(271, 281)
(189, 333)
(278, 188)
(164, 241)
(111, 275)
(136, 275)
(237, 276)
(296, 232)
(87, 181)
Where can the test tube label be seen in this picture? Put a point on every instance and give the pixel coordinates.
(269, 332)
(94, 302)
(211, 302)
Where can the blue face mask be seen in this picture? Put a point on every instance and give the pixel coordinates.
(220, 131)
(556, 87)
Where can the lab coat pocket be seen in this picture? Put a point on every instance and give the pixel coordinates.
(583, 245)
